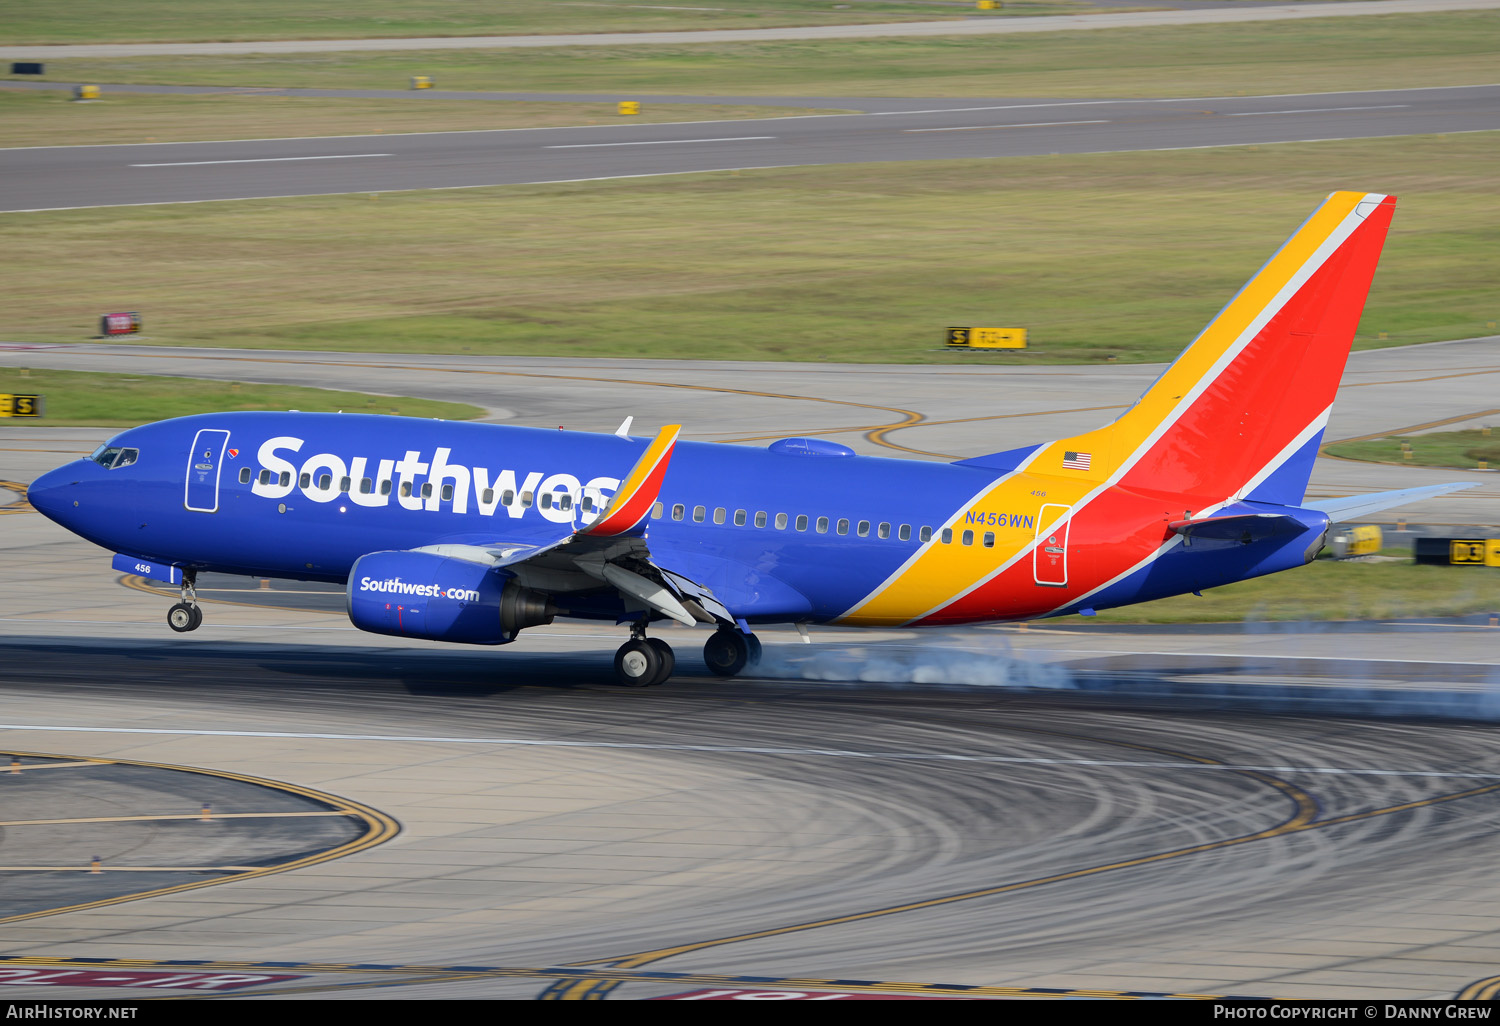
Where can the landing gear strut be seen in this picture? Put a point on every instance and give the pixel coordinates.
(186, 616)
(729, 651)
(642, 661)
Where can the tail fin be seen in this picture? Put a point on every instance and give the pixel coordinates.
(1241, 412)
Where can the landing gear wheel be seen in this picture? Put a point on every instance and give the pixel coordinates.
(668, 660)
(729, 651)
(637, 664)
(183, 618)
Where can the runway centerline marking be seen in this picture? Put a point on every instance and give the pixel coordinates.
(828, 753)
(1028, 124)
(264, 160)
(1314, 110)
(657, 142)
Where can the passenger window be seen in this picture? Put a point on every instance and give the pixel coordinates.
(526, 500)
(344, 484)
(968, 537)
(385, 488)
(447, 492)
(760, 518)
(905, 533)
(989, 539)
(781, 521)
(699, 512)
(822, 525)
(925, 534)
(488, 496)
(863, 530)
(545, 502)
(842, 527)
(801, 521)
(883, 531)
(265, 477)
(740, 517)
(564, 502)
(286, 478)
(677, 511)
(719, 515)
(507, 497)
(366, 486)
(947, 536)
(325, 482)
(587, 505)
(405, 489)
(305, 481)
(245, 475)
(656, 511)
(427, 490)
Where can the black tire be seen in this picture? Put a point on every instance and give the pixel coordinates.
(754, 650)
(637, 664)
(197, 617)
(726, 653)
(181, 618)
(668, 660)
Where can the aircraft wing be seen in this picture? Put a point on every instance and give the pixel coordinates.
(611, 551)
(1357, 507)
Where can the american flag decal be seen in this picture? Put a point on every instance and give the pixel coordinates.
(1077, 460)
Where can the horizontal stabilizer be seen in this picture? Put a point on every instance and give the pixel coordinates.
(1243, 526)
(1357, 507)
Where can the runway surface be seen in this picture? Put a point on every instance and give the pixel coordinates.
(46, 178)
(1257, 810)
(1207, 14)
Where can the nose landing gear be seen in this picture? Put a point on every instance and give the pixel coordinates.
(186, 616)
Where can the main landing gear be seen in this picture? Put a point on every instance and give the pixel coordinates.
(186, 616)
(729, 651)
(642, 662)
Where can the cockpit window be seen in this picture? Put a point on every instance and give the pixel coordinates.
(113, 457)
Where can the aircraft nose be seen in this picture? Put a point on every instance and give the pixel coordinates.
(52, 494)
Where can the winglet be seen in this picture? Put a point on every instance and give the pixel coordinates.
(633, 501)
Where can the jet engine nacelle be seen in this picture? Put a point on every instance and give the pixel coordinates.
(424, 595)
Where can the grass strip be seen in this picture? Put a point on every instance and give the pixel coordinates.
(1465, 449)
(53, 119)
(124, 400)
(1331, 590)
(1121, 256)
(160, 21)
(1315, 55)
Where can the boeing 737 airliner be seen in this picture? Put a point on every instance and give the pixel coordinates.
(472, 533)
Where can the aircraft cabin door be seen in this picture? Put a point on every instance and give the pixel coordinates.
(1049, 560)
(204, 461)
